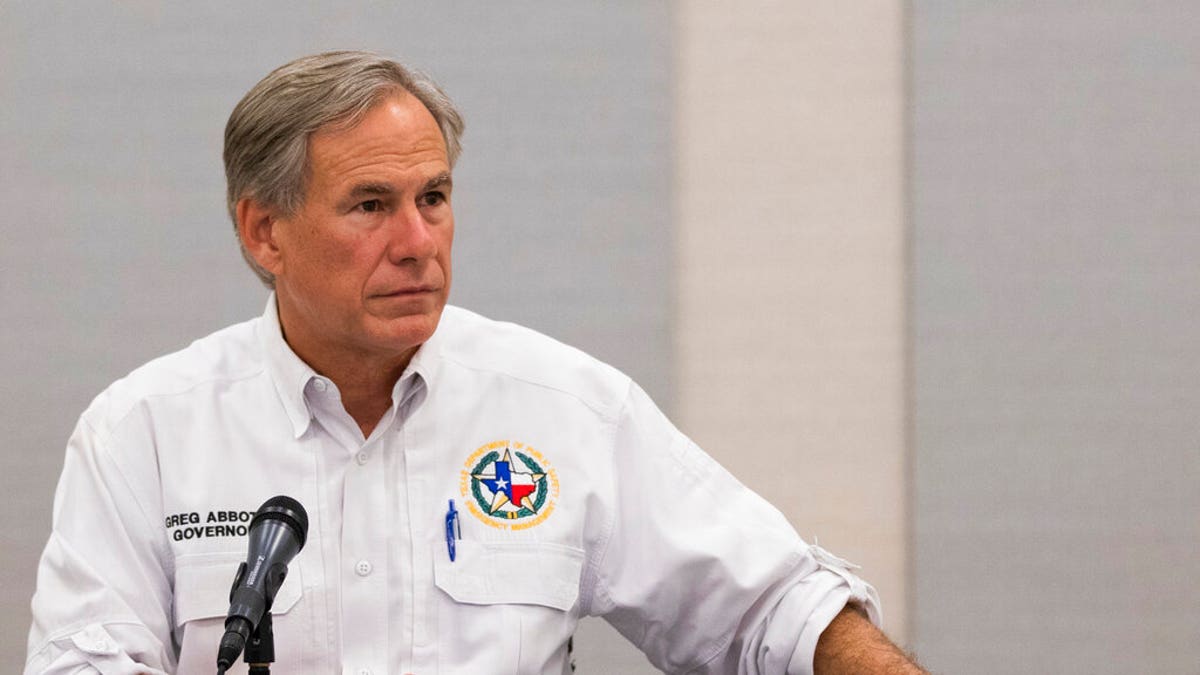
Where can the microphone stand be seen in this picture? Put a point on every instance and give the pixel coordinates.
(260, 648)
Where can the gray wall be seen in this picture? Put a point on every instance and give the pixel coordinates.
(1056, 288)
(116, 246)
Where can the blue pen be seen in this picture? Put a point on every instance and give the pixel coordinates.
(453, 531)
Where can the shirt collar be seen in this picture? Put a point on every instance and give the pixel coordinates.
(426, 362)
(421, 373)
(291, 375)
(288, 371)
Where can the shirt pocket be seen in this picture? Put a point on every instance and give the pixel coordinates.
(506, 607)
(202, 583)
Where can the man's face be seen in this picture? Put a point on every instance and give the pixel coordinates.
(364, 265)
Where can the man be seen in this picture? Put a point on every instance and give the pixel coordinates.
(360, 393)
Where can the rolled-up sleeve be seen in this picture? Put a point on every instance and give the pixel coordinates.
(701, 573)
(103, 598)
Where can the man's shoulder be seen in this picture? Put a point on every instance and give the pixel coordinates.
(511, 350)
(230, 354)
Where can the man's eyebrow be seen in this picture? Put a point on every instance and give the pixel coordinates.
(439, 180)
(378, 189)
(386, 189)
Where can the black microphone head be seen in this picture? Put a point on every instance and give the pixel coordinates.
(286, 510)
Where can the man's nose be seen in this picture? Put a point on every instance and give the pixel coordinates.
(410, 237)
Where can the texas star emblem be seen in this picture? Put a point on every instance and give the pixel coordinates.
(509, 485)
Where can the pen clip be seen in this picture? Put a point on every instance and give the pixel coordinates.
(453, 530)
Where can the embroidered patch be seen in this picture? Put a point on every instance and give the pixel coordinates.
(509, 485)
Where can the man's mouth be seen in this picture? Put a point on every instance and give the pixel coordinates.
(407, 290)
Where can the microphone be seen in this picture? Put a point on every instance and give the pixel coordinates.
(277, 533)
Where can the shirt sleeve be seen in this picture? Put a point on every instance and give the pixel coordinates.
(701, 573)
(103, 598)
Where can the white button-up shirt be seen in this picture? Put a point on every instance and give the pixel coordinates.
(575, 496)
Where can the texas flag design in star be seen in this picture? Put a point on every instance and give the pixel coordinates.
(508, 486)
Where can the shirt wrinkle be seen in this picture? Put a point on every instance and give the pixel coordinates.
(600, 409)
(596, 563)
(101, 447)
(111, 425)
(71, 629)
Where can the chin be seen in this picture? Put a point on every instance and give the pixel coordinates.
(410, 331)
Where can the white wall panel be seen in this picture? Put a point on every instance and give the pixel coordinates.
(790, 247)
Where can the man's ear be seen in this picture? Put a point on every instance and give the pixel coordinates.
(256, 228)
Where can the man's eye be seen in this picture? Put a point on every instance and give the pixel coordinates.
(432, 198)
(371, 206)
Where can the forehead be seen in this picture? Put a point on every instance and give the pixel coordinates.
(397, 134)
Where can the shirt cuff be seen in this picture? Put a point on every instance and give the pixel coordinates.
(90, 649)
(834, 586)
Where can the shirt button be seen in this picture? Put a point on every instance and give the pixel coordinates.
(363, 568)
(319, 384)
(363, 457)
(363, 671)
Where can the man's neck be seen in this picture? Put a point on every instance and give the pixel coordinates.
(366, 399)
(365, 382)
(366, 386)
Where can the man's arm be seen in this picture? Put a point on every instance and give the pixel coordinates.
(852, 645)
(701, 573)
(103, 599)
